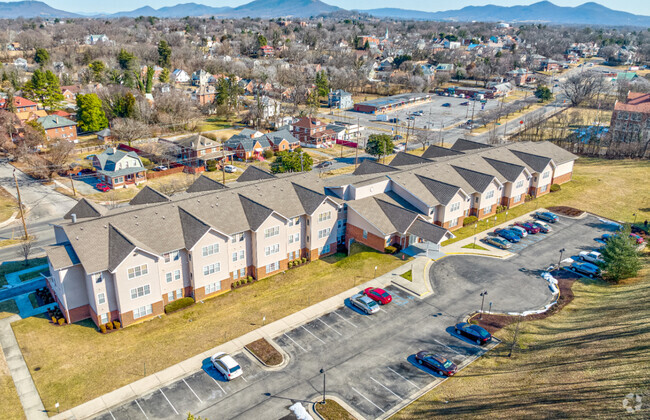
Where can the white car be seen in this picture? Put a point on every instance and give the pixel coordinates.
(521, 230)
(230, 168)
(592, 257)
(364, 303)
(226, 365)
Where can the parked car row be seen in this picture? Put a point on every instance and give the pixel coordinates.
(504, 237)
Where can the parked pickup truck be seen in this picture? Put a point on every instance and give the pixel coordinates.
(364, 303)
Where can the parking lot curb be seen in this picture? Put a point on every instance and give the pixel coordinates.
(346, 406)
(419, 393)
(285, 357)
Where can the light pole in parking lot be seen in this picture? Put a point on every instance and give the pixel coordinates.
(323, 372)
(483, 294)
(560, 261)
(475, 226)
(634, 214)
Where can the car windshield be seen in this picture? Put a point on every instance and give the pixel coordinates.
(480, 331)
(448, 364)
(385, 295)
(372, 303)
(234, 368)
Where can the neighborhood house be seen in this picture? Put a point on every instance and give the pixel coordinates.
(117, 168)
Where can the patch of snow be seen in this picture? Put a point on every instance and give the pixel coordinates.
(300, 412)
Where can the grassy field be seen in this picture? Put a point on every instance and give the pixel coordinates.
(12, 266)
(8, 205)
(214, 123)
(106, 362)
(8, 308)
(590, 190)
(10, 407)
(579, 363)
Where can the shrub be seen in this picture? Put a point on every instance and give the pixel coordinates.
(245, 281)
(238, 283)
(53, 320)
(303, 260)
(109, 326)
(555, 188)
(268, 154)
(390, 250)
(211, 166)
(501, 209)
(249, 278)
(61, 321)
(116, 324)
(179, 304)
(102, 328)
(529, 198)
(290, 264)
(470, 220)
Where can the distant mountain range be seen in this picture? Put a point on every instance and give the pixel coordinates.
(543, 11)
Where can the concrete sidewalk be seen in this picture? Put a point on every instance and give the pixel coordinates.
(194, 364)
(27, 392)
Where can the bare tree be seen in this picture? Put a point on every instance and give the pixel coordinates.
(25, 249)
(128, 130)
(583, 86)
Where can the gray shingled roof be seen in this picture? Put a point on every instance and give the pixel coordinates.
(369, 166)
(85, 209)
(310, 199)
(462, 145)
(193, 228)
(405, 159)
(255, 213)
(277, 137)
(537, 163)
(196, 142)
(425, 230)
(61, 256)
(253, 173)
(479, 181)
(247, 143)
(148, 195)
(119, 247)
(400, 217)
(434, 151)
(510, 171)
(442, 191)
(204, 183)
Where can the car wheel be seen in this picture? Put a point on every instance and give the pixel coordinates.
(478, 342)
(457, 331)
(591, 276)
(573, 269)
(420, 361)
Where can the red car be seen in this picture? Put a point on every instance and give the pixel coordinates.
(530, 228)
(639, 239)
(436, 363)
(378, 295)
(102, 187)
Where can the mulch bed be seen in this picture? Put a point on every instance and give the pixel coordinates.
(494, 323)
(566, 211)
(265, 352)
(332, 410)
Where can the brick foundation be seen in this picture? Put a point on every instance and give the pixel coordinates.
(482, 214)
(513, 201)
(260, 272)
(458, 225)
(373, 241)
(563, 178)
(77, 314)
(157, 308)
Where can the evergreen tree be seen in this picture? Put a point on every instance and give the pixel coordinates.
(322, 84)
(164, 76)
(90, 114)
(149, 85)
(44, 87)
(543, 93)
(621, 256)
(379, 145)
(126, 60)
(97, 68)
(164, 54)
(124, 106)
(41, 56)
(292, 161)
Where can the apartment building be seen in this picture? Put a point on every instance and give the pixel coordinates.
(128, 263)
(631, 119)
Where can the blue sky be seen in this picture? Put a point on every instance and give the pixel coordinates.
(634, 6)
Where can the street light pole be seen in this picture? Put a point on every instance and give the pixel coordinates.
(323, 372)
(375, 272)
(483, 294)
(560, 261)
(634, 214)
(475, 226)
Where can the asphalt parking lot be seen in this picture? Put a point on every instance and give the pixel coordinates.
(369, 359)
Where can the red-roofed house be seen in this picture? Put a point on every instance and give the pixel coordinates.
(631, 119)
(21, 104)
(70, 93)
(312, 132)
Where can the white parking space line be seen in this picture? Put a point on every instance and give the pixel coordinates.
(294, 342)
(111, 413)
(219, 385)
(313, 335)
(402, 377)
(386, 388)
(170, 403)
(345, 319)
(448, 348)
(145, 414)
(330, 327)
(244, 378)
(366, 398)
(197, 397)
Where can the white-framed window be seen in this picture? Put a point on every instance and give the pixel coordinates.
(543, 189)
(546, 174)
(169, 277)
(97, 277)
(324, 249)
(210, 250)
(179, 293)
(455, 207)
(103, 318)
(326, 215)
(519, 184)
(212, 287)
(272, 267)
(272, 249)
(489, 195)
(242, 272)
(235, 274)
(237, 237)
(365, 234)
(177, 274)
(140, 291)
(476, 199)
(487, 210)
(324, 233)
(142, 311)
(272, 231)
(234, 256)
(170, 296)
(296, 221)
(171, 256)
(242, 254)
(453, 222)
(290, 239)
(101, 298)
(211, 269)
(137, 271)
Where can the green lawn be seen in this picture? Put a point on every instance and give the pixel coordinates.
(475, 246)
(408, 275)
(12, 266)
(34, 275)
(8, 308)
(33, 300)
(597, 187)
(8, 205)
(102, 363)
(579, 363)
(214, 123)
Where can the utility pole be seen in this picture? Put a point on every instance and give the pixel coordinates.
(223, 164)
(74, 192)
(406, 143)
(20, 206)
